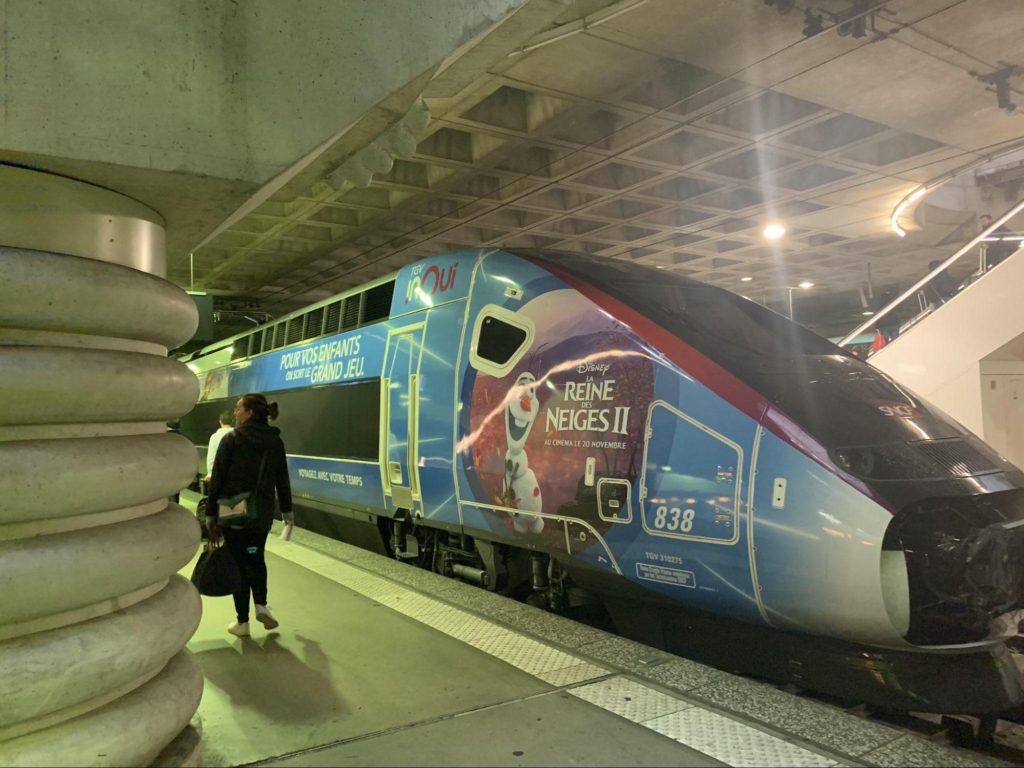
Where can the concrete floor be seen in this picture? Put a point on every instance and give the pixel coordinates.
(380, 663)
(384, 689)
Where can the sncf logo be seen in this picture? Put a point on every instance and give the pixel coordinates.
(433, 281)
(899, 410)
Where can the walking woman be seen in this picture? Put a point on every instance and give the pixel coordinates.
(251, 458)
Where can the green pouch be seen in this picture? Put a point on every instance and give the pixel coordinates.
(240, 510)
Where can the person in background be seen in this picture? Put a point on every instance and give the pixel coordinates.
(236, 469)
(889, 324)
(942, 286)
(878, 342)
(226, 422)
(996, 252)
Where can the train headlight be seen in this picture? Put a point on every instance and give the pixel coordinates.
(891, 461)
(842, 459)
(859, 461)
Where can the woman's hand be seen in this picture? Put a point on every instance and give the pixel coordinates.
(214, 532)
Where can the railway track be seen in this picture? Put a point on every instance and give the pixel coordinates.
(1000, 737)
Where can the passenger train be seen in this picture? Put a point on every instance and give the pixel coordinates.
(728, 485)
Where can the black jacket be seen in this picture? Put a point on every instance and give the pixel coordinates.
(237, 467)
(998, 251)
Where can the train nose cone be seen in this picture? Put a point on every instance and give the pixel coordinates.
(965, 565)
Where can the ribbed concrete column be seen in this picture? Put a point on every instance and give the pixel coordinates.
(93, 618)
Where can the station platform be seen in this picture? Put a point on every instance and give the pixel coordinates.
(377, 662)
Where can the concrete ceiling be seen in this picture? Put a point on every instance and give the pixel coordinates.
(664, 132)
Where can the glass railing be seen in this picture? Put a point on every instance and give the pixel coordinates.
(946, 279)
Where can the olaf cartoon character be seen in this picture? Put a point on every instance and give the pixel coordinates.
(520, 489)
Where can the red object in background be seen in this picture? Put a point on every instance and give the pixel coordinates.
(879, 341)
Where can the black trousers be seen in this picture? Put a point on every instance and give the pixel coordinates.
(247, 545)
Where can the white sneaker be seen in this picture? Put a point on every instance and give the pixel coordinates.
(239, 629)
(265, 617)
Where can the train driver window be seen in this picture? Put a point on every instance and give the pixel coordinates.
(500, 339)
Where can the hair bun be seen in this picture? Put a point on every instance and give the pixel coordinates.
(272, 411)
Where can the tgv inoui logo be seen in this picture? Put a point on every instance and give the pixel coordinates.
(434, 280)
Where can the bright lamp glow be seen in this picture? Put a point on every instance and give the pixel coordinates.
(913, 197)
(746, 279)
(806, 284)
(774, 231)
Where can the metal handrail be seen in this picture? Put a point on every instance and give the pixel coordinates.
(927, 278)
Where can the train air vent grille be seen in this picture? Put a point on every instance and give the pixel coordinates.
(314, 323)
(333, 317)
(294, 330)
(957, 457)
(350, 317)
(240, 348)
(378, 302)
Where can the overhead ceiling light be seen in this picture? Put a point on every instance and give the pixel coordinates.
(746, 279)
(806, 284)
(774, 231)
(894, 218)
(867, 313)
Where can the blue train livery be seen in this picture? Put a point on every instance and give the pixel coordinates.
(717, 479)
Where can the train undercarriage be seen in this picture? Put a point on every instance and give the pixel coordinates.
(887, 679)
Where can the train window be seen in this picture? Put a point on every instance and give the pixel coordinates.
(201, 422)
(333, 320)
(350, 315)
(377, 305)
(314, 323)
(341, 421)
(338, 421)
(500, 338)
(295, 329)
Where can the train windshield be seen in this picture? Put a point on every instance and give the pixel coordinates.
(738, 333)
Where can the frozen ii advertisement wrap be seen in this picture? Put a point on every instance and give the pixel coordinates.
(586, 433)
(568, 415)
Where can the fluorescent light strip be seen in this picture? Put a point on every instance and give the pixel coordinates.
(913, 197)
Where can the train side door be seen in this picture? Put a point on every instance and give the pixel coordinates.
(690, 494)
(400, 397)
